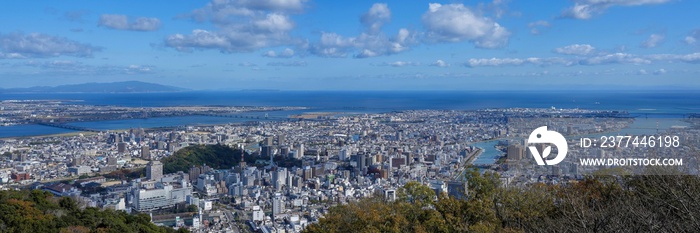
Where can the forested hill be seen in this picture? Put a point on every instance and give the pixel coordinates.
(216, 156)
(38, 211)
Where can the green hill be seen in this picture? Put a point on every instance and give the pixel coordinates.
(215, 156)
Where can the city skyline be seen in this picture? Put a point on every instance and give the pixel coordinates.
(365, 45)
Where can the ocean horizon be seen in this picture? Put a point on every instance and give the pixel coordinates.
(645, 101)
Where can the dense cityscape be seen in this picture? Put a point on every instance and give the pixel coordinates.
(305, 116)
(300, 166)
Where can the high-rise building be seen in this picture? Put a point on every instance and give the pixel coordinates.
(281, 140)
(308, 173)
(111, 161)
(154, 170)
(145, 153)
(112, 139)
(397, 162)
(266, 151)
(242, 163)
(121, 147)
(77, 160)
(361, 160)
(279, 178)
(277, 204)
(343, 154)
(194, 173)
(284, 151)
(258, 214)
(297, 181)
(301, 151)
(156, 195)
(515, 152)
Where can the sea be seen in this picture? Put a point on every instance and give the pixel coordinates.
(668, 105)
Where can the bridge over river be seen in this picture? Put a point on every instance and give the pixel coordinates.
(66, 126)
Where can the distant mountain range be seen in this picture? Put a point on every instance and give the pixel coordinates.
(115, 87)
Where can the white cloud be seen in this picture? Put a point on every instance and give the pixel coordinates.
(378, 15)
(273, 22)
(75, 16)
(247, 64)
(660, 71)
(198, 39)
(145, 24)
(55, 64)
(585, 9)
(121, 22)
(370, 43)
(440, 63)
(11, 55)
(456, 23)
(497, 7)
(603, 59)
(33, 45)
(138, 69)
(333, 45)
(494, 62)
(692, 37)
(291, 63)
(615, 58)
(269, 5)
(79, 68)
(270, 53)
(402, 63)
(653, 41)
(642, 72)
(514, 61)
(688, 58)
(264, 32)
(581, 11)
(286, 53)
(242, 26)
(230, 11)
(575, 49)
(538, 27)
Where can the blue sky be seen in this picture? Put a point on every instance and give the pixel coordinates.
(354, 45)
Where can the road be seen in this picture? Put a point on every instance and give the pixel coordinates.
(231, 221)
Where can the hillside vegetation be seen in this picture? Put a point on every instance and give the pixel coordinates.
(651, 203)
(38, 211)
(216, 156)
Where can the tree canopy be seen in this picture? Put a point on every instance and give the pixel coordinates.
(39, 211)
(652, 203)
(216, 156)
